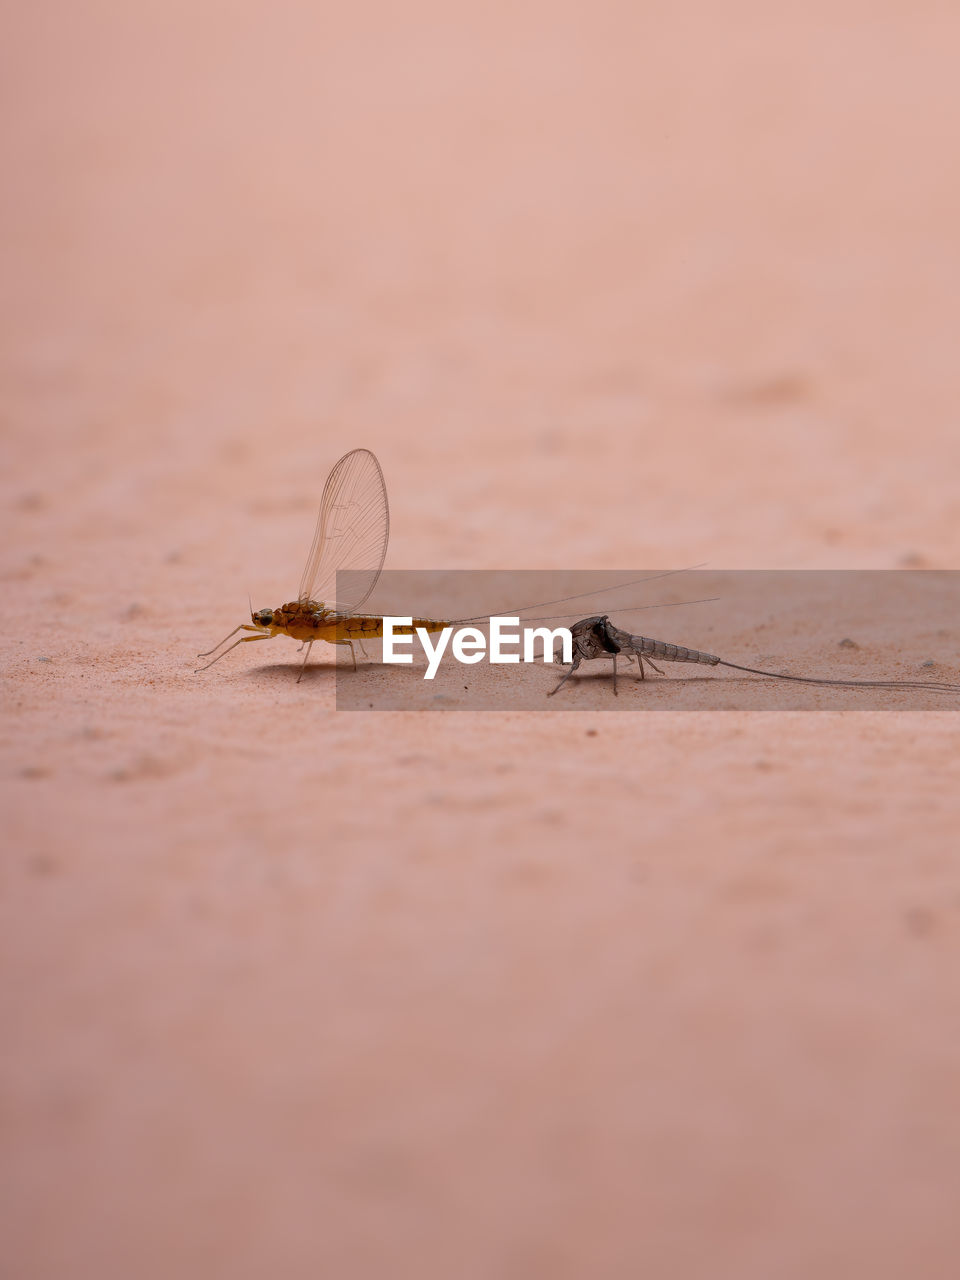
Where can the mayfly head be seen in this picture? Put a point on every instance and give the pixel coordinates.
(592, 636)
(262, 618)
(587, 626)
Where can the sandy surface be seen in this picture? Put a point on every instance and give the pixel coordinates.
(290, 991)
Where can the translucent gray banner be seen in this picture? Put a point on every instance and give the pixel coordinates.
(660, 640)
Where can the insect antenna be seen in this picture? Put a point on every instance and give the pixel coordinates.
(583, 595)
(636, 608)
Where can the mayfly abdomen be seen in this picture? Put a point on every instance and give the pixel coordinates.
(670, 652)
(340, 630)
(643, 645)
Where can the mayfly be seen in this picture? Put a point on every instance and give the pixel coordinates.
(352, 531)
(598, 637)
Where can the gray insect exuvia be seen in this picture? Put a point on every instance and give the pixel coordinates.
(598, 637)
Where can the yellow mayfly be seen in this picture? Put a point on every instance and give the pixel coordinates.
(352, 532)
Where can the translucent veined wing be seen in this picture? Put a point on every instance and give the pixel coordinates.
(352, 532)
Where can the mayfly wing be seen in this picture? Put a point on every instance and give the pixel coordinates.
(352, 532)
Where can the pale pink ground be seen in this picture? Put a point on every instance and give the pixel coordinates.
(297, 993)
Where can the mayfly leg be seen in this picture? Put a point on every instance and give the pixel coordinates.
(242, 640)
(565, 678)
(303, 666)
(650, 663)
(244, 626)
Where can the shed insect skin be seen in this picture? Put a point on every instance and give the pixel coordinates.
(598, 637)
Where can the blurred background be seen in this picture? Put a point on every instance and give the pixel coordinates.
(567, 263)
(602, 285)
